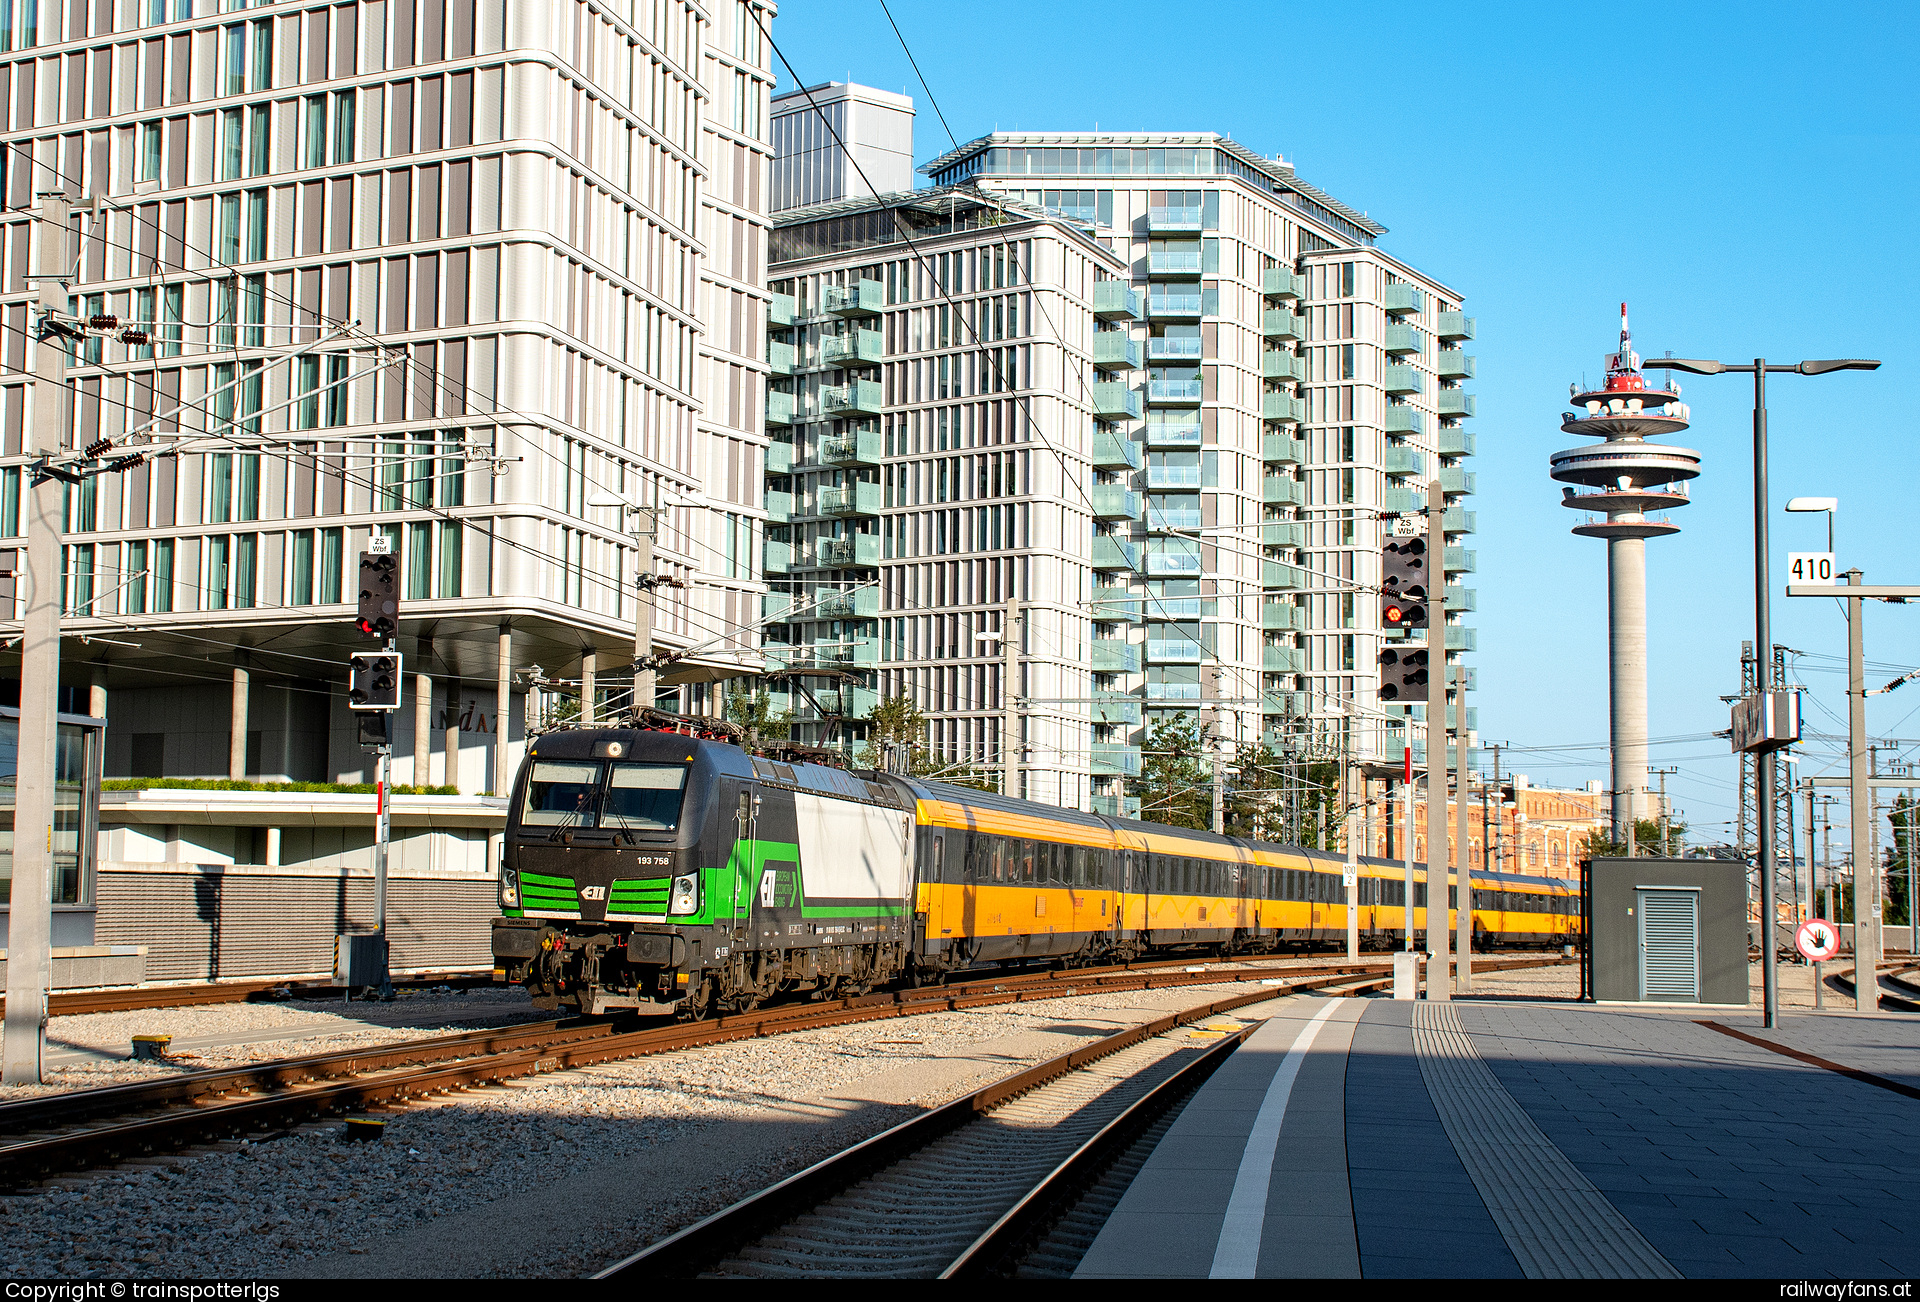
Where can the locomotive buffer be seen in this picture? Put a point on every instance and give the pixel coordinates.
(373, 689)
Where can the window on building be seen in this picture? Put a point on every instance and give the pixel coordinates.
(263, 55)
(134, 591)
(316, 115)
(246, 560)
(260, 138)
(300, 593)
(332, 544)
(419, 561)
(234, 82)
(227, 240)
(172, 302)
(343, 111)
(149, 151)
(335, 403)
(450, 558)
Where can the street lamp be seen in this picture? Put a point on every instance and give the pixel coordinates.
(1831, 505)
(1762, 616)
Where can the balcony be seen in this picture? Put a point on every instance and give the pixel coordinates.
(1454, 481)
(1459, 598)
(1173, 220)
(1111, 553)
(1278, 577)
(774, 606)
(1174, 651)
(1401, 299)
(1173, 564)
(850, 499)
(779, 407)
(1462, 639)
(780, 312)
(1458, 443)
(1279, 282)
(1452, 364)
(862, 298)
(1173, 348)
(854, 447)
(1113, 350)
(1457, 520)
(1113, 759)
(1116, 605)
(1453, 325)
(1112, 707)
(1461, 560)
(1116, 806)
(779, 557)
(1280, 406)
(1115, 300)
(1289, 705)
(779, 458)
(1405, 420)
(1282, 449)
(1189, 608)
(1282, 617)
(1405, 461)
(1276, 365)
(1174, 306)
(1113, 400)
(1402, 380)
(860, 549)
(847, 653)
(1402, 339)
(1455, 403)
(1473, 717)
(1283, 533)
(1162, 518)
(1113, 451)
(1279, 323)
(858, 398)
(1172, 691)
(1170, 264)
(1283, 660)
(1112, 656)
(1278, 490)
(855, 603)
(1112, 502)
(779, 508)
(1404, 500)
(1173, 433)
(1173, 393)
(780, 358)
(1173, 476)
(861, 348)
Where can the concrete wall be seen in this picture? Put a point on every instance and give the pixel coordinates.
(1723, 924)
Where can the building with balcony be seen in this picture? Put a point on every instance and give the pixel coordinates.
(1300, 383)
(957, 450)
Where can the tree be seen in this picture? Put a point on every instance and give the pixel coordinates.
(1903, 816)
(755, 712)
(899, 726)
(1174, 786)
(1646, 835)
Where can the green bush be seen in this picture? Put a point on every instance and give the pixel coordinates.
(228, 784)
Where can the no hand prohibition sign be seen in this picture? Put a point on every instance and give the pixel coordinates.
(1817, 940)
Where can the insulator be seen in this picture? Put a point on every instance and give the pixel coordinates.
(103, 321)
(99, 448)
(138, 337)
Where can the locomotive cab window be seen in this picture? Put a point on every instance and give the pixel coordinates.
(563, 795)
(645, 797)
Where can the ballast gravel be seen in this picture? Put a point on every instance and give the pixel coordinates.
(261, 1208)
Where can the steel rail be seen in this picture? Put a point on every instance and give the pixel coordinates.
(78, 1003)
(707, 1242)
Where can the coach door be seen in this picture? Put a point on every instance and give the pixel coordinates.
(1669, 944)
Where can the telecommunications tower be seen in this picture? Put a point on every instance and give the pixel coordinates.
(1627, 478)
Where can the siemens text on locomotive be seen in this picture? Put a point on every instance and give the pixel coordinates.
(655, 871)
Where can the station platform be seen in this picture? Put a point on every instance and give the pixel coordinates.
(1368, 1138)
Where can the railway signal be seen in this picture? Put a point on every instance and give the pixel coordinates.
(379, 594)
(373, 681)
(1403, 583)
(1403, 675)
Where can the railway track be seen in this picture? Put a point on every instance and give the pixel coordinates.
(969, 1189)
(56, 1133)
(71, 1003)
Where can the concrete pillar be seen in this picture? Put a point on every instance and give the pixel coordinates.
(502, 710)
(423, 715)
(588, 663)
(1627, 675)
(273, 847)
(452, 763)
(237, 723)
(97, 693)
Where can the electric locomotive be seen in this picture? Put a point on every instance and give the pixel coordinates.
(649, 870)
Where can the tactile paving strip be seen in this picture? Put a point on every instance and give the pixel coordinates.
(1557, 1223)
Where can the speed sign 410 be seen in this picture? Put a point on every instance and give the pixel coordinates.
(1809, 567)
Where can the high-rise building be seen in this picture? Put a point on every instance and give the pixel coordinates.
(1210, 535)
(519, 250)
(840, 141)
(1300, 383)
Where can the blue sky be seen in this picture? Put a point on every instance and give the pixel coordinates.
(1743, 175)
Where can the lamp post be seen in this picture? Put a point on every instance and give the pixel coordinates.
(1762, 618)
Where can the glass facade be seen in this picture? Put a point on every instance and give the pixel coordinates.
(76, 807)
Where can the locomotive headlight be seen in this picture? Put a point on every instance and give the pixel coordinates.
(509, 889)
(686, 895)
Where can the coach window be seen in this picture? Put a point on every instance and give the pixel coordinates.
(1026, 861)
(939, 845)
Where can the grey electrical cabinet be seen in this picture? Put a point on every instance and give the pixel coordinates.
(1670, 931)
